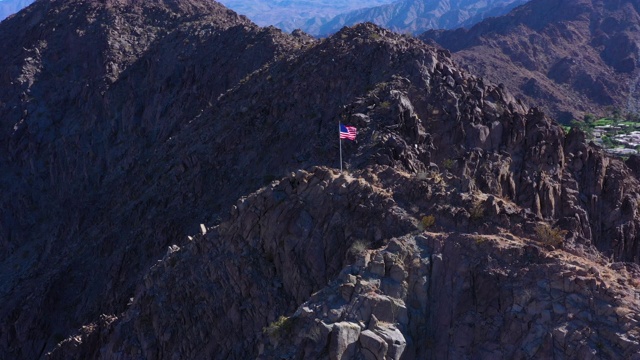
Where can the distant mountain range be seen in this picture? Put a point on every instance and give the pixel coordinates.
(289, 15)
(324, 17)
(416, 16)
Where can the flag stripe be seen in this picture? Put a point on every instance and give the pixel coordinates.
(348, 132)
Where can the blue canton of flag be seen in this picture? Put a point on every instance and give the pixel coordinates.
(348, 132)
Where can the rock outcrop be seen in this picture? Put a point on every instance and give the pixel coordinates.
(286, 278)
(446, 296)
(184, 107)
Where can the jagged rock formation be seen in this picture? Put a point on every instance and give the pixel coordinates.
(290, 249)
(445, 296)
(163, 131)
(566, 57)
(417, 16)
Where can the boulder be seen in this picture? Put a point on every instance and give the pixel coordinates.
(344, 337)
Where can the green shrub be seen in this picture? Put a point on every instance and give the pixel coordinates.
(587, 127)
(607, 141)
(479, 239)
(448, 164)
(428, 221)
(477, 211)
(550, 235)
(281, 327)
(358, 247)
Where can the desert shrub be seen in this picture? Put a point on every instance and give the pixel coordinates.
(549, 235)
(358, 247)
(427, 221)
(281, 327)
(448, 164)
(477, 211)
(375, 36)
(479, 239)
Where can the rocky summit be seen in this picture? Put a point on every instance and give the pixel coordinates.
(171, 190)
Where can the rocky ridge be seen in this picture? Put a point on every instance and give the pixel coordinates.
(433, 140)
(566, 57)
(361, 291)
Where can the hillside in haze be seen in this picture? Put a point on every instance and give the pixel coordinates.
(170, 189)
(294, 14)
(8, 7)
(568, 57)
(417, 16)
(321, 18)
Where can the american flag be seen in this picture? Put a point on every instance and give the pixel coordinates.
(348, 132)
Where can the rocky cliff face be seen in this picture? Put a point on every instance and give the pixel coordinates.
(567, 57)
(156, 138)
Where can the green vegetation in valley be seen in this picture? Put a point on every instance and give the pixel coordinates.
(620, 134)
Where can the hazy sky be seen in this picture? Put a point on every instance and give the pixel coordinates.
(262, 12)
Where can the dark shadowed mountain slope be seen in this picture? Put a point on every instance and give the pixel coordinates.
(417, 16)
(129, 126)
(568, 57)
(88, 87)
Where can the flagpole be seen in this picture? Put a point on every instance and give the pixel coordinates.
(340, 139)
